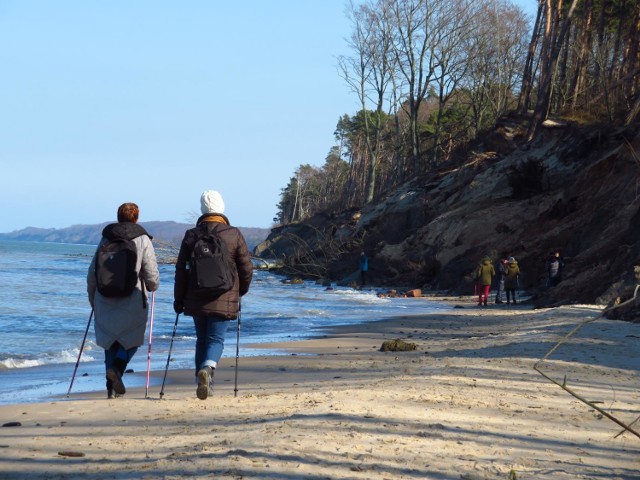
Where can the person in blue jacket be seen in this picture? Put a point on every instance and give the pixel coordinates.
(364, 268)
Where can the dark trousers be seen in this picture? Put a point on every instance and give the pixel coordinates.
(117, 358)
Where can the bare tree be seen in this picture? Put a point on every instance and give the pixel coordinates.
(369, 73)
(452, 26)
(496, 51)
(412, 37)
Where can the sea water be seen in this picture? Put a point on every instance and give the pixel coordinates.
(45, 313)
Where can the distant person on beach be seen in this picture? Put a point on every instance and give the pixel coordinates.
(512, 279)
(364, 268)
(484, 274)
(555, 265)
(501, 270)
(211, 312)
(121, 317)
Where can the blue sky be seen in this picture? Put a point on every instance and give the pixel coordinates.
(154, 101)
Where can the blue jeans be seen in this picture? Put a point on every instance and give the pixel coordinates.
(210, 336)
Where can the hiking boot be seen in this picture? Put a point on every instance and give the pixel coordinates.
(116, 380)
(205, 383)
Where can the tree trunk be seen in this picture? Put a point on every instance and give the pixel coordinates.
(527, 78)
(545, 89)
(562, 90)
(577, 83)
(632, 55)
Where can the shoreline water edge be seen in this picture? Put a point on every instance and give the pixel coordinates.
(44, 312)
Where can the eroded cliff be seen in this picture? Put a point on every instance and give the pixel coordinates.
(573, 189)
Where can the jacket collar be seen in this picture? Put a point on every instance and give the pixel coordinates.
(212, 218)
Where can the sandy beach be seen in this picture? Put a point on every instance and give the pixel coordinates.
(466, 404)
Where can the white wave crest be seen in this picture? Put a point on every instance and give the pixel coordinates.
(363, 297)
(65, 356)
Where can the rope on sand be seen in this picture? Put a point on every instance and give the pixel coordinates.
(563, 385)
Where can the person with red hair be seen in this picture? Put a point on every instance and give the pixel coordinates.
(121, 321)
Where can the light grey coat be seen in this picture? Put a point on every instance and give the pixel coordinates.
(124, 319)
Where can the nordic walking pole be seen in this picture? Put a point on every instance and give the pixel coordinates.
(146, 390)
(80, 353)
(235, 390)
(166, 368)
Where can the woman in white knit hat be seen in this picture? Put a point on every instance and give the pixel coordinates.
(211, 313)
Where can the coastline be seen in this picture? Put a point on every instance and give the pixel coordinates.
(465, 404)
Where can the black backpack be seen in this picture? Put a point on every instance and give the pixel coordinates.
(116, 274)
(212, 272)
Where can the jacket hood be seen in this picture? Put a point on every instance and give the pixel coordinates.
(124, 231)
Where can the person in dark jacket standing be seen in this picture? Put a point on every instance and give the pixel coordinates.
(554, 269)
(211, 315)
(484, 274)
(121, 322)
(364, 268)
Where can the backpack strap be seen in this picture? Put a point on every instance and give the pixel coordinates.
(143, 290)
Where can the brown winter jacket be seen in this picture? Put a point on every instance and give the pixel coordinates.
(226, 305)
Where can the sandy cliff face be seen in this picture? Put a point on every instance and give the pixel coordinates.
(573, 189)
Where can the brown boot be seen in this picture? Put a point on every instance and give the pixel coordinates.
(205, 382)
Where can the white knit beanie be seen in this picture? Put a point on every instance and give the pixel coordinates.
(211, 202)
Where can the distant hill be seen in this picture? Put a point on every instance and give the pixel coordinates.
(164, 233)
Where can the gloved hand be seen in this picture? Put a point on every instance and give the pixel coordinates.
(178, 307)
